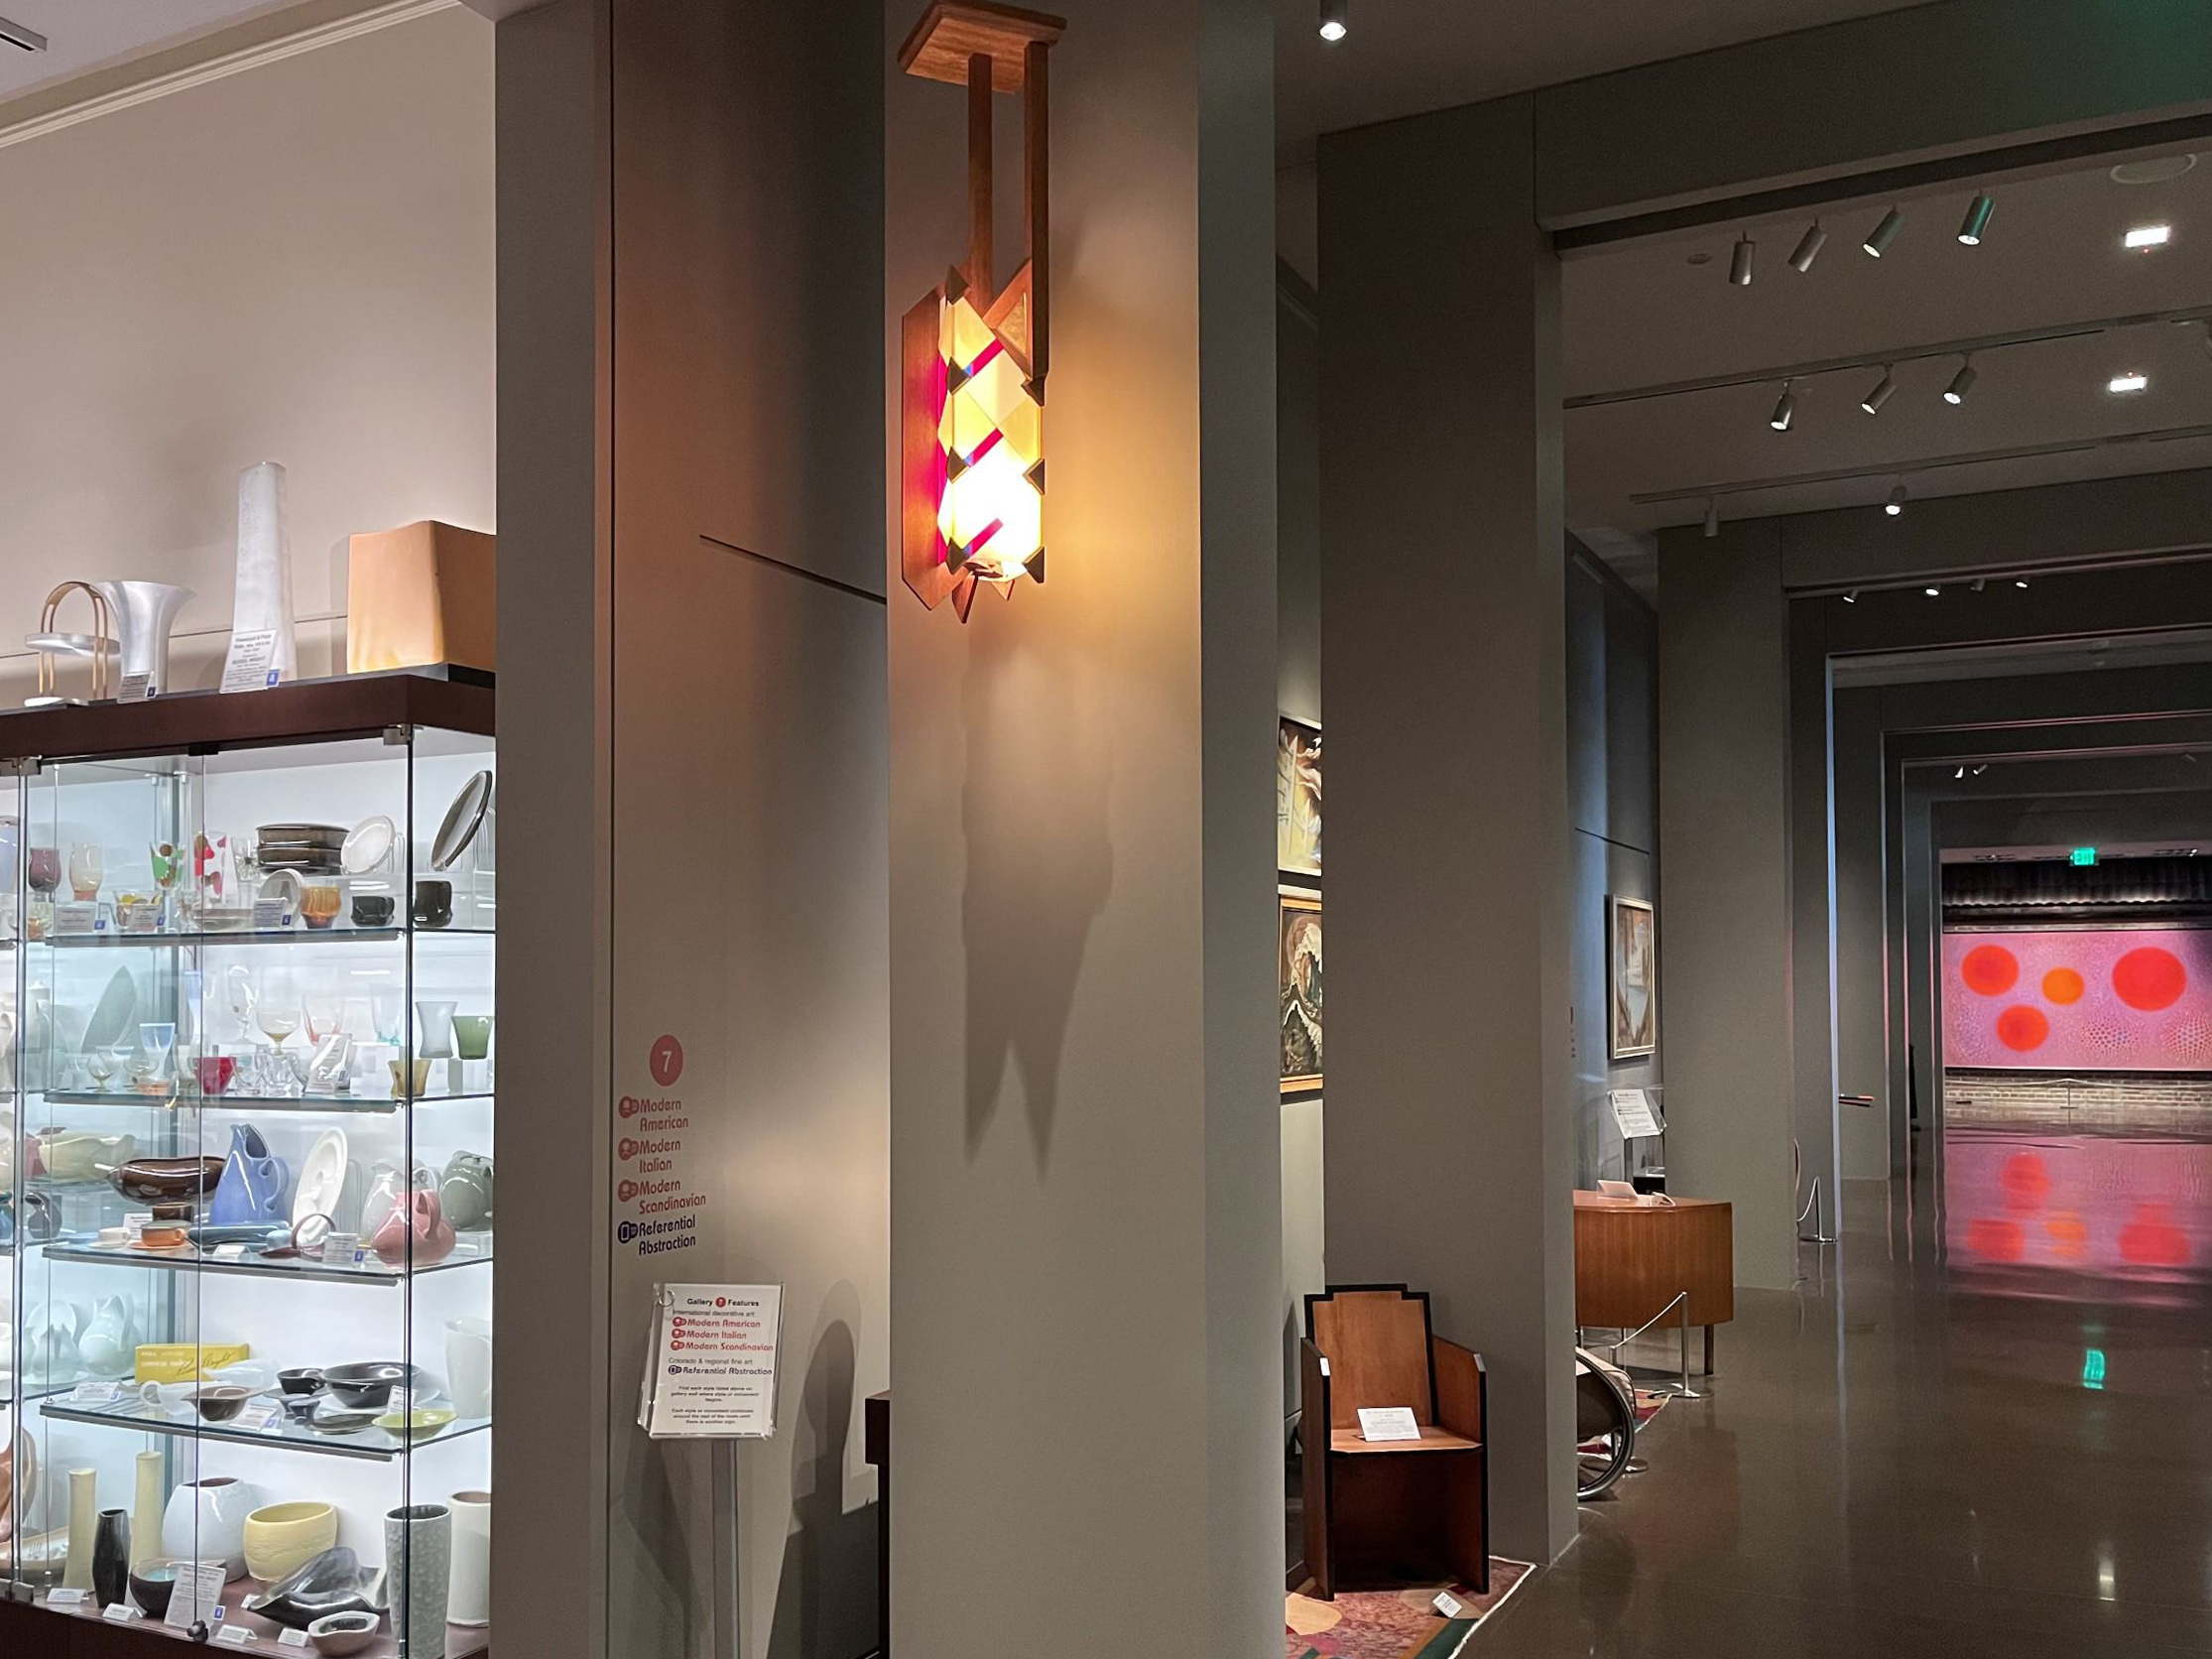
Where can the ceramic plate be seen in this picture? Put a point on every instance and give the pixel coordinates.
(462, 820)
(113, 1017)
(321, 1177)
(366, 844)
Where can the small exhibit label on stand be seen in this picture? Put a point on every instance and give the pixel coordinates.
(233, 1635)
(1632, 1110)
(290, 1637)
(137, 687)
(251, 665)
(198, 1594)
(121, 1612)
(1387, 1423)
(258, 1417)
(341, 1249)
(1447, 1605)
(65, 1598)
(94, 1393)
(710, 1372)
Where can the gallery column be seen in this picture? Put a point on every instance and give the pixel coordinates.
(1086, 1191)
(1448, 1147)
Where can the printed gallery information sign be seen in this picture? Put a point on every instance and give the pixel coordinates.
(710, 1368)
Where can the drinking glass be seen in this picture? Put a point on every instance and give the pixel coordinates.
(46, 869)
(87, 865)
(324, 1005)
(240, 994)
(434, 1025)
(387, 1009)
(277, 1010)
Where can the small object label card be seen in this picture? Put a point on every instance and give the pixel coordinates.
(1387, 1423)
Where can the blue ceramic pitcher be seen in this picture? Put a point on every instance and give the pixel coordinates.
(253, 1183)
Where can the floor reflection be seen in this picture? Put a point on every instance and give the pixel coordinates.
(2104, 1218)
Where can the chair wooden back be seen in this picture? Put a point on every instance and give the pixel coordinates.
(1375, 1340)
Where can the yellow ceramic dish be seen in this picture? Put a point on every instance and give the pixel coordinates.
(418, 1424)
(284, 1537)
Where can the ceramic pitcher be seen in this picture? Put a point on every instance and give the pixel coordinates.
(252, 1187)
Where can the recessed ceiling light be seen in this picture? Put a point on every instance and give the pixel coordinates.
(2156, 171)
(2128, 383)
(2148, 236)
(1701, 257)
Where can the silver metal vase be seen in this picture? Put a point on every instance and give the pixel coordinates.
(145, 612)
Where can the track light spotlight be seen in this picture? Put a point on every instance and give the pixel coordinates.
(1335, 19)
(1785, 409)
(2019, 581)
(1809, 246)
(1712, 516)
(1961, 384)
(1739, 263)
(1976, 221)
(1895, 506)
(1961, 773)
(1931, 591)
(1883, 390)
(1878, 239)
(1851, 597)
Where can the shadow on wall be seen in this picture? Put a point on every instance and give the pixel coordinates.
(821, 1611)
(1040, 865)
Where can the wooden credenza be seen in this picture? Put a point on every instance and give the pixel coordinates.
(1632, 1258)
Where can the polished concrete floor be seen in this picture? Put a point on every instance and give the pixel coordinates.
(1913, 1454)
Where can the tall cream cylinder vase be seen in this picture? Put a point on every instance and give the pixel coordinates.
(85, 1520)
(146, 1511)
(469, 1600)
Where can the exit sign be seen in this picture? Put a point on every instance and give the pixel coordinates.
(2085, 855)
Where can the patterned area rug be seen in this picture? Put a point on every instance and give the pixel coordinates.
(1393, 1623)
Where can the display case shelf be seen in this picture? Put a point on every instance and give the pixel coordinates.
(371, 1444)
(373, 1271)
(462, 1641)
(113, 939)
(260, 1103)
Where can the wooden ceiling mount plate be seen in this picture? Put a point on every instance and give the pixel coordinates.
(953, 31)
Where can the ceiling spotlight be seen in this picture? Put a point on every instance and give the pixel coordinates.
(1851, 597)
(2019, 581)
(1712, 518)
(1961, 383)
(2148, 236)
(1335, 19)
(1976, 221)
(1895, 506)
(1739, 263)
(1878, 242)
(2128, 383)
(1809, 246)
(1961, 773)
(1785, 409)
(1979, 770)
(1931, 591)
(1882, 389)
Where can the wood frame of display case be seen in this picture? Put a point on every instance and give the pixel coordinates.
(351, 706)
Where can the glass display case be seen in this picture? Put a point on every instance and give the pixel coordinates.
(248, 1162)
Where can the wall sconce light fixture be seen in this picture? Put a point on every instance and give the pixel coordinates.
(972, 354)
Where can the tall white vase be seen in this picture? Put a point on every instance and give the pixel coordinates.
(469, 1600)
(84, 1509)
(264, 592)
(146, 1511)
(206, 1521)
(468, 1366)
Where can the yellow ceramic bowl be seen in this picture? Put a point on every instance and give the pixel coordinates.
(284, 1537)
(418, 1424)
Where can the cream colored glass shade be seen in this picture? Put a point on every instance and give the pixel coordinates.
(992, 431)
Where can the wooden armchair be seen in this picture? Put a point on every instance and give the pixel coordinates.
(1391, 1512)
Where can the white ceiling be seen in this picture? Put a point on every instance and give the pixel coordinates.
(1402, 56)
(84, 34)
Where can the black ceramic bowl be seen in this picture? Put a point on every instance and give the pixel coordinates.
(302, 1379)
(366, 1383)
(151, 1585)
(373, 910)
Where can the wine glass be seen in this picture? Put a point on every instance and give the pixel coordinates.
(278, 1011)
(168, 864)
(324, 1006)
(100, 1065)
(240, 993)
(150, 1066)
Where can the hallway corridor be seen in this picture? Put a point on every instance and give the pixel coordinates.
(1914, 1462)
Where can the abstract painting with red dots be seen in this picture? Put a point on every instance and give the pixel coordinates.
(2104, 999)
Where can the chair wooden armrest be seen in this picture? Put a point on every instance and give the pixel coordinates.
(1462, 1388)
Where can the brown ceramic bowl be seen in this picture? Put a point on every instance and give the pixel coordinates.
(220, 1402)
(165, 1180)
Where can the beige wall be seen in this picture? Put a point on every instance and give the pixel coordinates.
(293, 263)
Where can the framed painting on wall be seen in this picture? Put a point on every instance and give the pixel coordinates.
(1298, 798)
(1630, 979)
(1298, 979)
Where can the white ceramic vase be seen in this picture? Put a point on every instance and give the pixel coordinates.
(418, 1548)
(468, 1366)
(146, 1511)
(264, 591)
(207, 1520)
(84, 1512)
(470, 1599)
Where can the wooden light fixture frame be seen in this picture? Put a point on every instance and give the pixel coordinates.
(988, 50)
